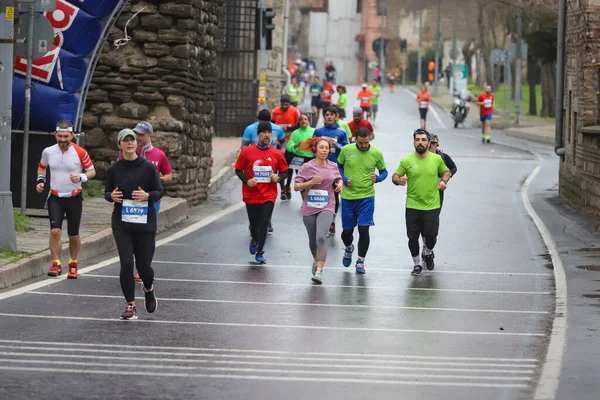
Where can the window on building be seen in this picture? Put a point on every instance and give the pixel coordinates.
(381, 8)
(358, 6)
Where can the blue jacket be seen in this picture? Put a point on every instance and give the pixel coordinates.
(336, 132)
(251, 134)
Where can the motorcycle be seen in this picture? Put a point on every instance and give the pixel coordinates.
(460, 108)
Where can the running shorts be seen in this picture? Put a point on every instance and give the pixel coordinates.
(71, 206)
(358, 212)
(423, 112)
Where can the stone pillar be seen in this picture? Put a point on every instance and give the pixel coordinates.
(274, 72)
(167, 75)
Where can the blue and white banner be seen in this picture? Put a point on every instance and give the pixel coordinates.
(59, 77)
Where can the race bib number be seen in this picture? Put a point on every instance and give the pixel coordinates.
(424, 104)
(487, 103)
(365, 99)
(315, 92)
(262, 174)
(292, 92)
(317, 198)
(296, 163)
(134, 212)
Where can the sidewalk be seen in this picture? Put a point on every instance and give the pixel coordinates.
(33, 258)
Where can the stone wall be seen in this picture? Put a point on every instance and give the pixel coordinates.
(579, 176)
(167, 74)
(275, 77)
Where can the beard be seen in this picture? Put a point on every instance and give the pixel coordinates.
(421, 149)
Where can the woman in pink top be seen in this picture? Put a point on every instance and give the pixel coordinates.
(318, 179)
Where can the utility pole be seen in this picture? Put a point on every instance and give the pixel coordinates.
(31, 15)
(382, 67)
(262, 68)
(518, 68)
(454, 54)
(7, 224)
(420, 57)
(437, 50)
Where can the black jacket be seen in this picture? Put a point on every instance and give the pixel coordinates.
(127, 176)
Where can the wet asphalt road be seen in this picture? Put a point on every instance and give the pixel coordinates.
(476, 327)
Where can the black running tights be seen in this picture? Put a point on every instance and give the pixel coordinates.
(141, 245)
(364, 239)
(259, 216)
(287, 182)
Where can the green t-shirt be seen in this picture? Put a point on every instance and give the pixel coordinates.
(422, 175)
(375, 90)
(343, 101)
(343, 124)
(358, 166)
(293, 92)
(300, 135)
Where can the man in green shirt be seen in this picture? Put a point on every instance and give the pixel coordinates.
(357, 163)
(375, 99)
(420, 170)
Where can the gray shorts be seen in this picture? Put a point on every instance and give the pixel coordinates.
(374, 107)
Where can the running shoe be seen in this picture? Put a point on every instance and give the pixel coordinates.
(72, 274)
(270, 228)
(260, 258)
(429, 261)
(137, 277)
(150, 302)
(487, 141)
(130, 313)
(482, 140)
(283, 196)
(314, 268)
(253, 246)
(347, 259)
(417, 270)
(318, 276)
(55, 269)
(288, 193)
(360, 267)
(332, 229)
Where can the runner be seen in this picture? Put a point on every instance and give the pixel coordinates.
(322, 180)
(487, 103)
(365, 95)
(250, 135)
(357, 163)
(392, 81)
(133, 184)
(344, 125)
(294, 155)
(420, 170)
(326, 96)
(376, 90)
(342, 101)
(294, 91)
(359, 122)
(66, 161)
(287, 117)
(257, 167)
(338, 138)
(423, 100)
(316, 90)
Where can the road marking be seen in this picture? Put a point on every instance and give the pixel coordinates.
(319, 372)
(513, 369)
(274, 326)
(320, 287)
(278, 352)
(82, 271)
(431, 108)
(549, 378)
(266, 378)
(274, 303)
(304, 267)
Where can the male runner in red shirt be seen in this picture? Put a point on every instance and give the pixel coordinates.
(359, 122)
(487, 102)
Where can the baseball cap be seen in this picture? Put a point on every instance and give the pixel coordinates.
(125, 133)
(285, 98)
(434, 139)
(143, 128)
(364, 85)
(264, 115)
(357, 110)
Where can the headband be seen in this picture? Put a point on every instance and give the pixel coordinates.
(68, 129)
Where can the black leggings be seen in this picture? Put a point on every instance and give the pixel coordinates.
(364, 239)
(422, 222)
(259, 216)
(138, 244)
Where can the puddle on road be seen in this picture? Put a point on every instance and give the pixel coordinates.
(548, 258)
(589, 267)
(592, 296)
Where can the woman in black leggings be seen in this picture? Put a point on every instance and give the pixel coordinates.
(133, 184)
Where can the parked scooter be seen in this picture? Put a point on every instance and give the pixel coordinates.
(461, 106)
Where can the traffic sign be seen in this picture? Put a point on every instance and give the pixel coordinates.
(498, 57)
(512, 51)
(43, 37)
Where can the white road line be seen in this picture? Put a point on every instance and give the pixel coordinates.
(274, 303)
(431, 108)
(266, 378)
(279, 352)
(319, 372)
(275, 326)
(304, 267)
(82, 271)
(320, 287)
(549, 378)
(476, 367)
(212, 357)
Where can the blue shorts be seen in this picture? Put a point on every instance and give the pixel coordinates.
(358, 212)
(485, 116)
(157, 206)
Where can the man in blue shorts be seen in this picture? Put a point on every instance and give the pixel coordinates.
(357, 163)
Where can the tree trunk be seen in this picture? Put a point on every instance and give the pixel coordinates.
(483, 70)
(548, 74)
(532, 74)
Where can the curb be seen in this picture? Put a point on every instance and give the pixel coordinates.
(92, 246)
(531, 137)
(224, 174)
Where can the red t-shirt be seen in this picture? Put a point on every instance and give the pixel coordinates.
(329, 87)
(424, 98)
(363, 124)
(286, 119)
(158, 158)
(260, 164)
(488, 100)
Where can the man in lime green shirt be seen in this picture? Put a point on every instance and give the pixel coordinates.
(375, 99)
(420, 170)
(357, 163)
(294, 155)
